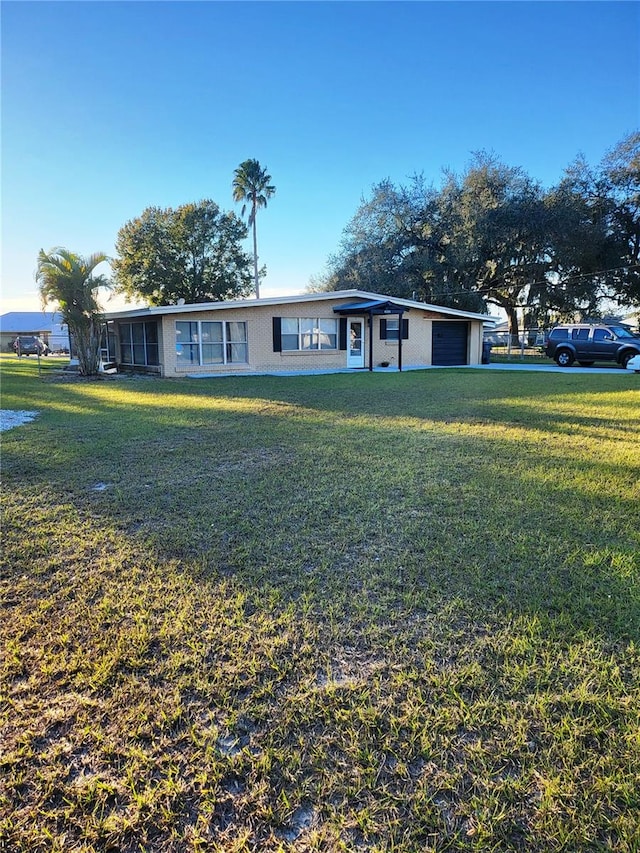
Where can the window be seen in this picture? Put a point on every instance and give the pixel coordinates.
(139, 343)
(212, 343)
(393, 329)
(236, 343)
(203, 342)
(622, 332)
(390, 328)
(602, 335)
(559, 334)
(580, 334)
(308, 333)
(187, 350)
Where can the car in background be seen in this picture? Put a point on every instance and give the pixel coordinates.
(30, 345)
(587, 343)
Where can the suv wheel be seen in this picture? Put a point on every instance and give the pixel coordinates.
(564, 358)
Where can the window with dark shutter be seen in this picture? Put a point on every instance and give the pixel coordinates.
(389, 329)
(277, 334)
(343, 333)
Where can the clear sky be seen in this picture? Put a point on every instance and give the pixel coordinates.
(108, 108)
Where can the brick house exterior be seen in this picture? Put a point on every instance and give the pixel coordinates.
(320, 331)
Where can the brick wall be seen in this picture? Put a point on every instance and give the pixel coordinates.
(416, 350)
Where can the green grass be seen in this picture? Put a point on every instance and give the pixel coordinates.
(370, 612)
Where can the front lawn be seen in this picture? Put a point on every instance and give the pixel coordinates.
(359, 612)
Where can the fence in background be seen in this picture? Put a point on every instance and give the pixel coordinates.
(529, 345)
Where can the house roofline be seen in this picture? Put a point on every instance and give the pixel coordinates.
(190, 308)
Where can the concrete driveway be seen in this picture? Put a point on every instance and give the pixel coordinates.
(551, 368)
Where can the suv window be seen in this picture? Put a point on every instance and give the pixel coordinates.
(580, 334)
(622, 332)
(559, 334)
(602, 335)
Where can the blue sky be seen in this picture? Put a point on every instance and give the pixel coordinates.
(108, 108)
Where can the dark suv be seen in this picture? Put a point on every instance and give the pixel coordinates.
(29, 345)
(589, 342)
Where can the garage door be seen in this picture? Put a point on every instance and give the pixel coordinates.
(449, 342)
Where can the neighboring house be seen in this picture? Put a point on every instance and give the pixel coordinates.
(48, 326)
(630, 321)
(319, 331)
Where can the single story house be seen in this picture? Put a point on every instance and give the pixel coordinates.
(347, 329)
(43, 324)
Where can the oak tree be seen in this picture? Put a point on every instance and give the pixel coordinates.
(192, 252)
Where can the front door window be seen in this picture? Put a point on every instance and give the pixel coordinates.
(355, 342)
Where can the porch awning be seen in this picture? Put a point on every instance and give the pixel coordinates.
(374, 307)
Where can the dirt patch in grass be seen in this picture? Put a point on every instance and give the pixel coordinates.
(10, 419)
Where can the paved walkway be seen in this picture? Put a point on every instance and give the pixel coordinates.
(537, 367)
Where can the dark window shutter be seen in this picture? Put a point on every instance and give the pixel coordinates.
(405, 329)
(343, 333)
(277, 334)
(383, 329)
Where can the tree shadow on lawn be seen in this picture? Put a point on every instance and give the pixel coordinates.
(350, 511)
(272, 574)
(564, 405)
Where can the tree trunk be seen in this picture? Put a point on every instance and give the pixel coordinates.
(255, 257)
(87, 341)
(512, 315)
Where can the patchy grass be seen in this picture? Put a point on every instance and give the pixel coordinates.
(355, 612)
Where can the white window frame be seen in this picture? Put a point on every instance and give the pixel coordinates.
(393, 329)
(226, 342)
(302, 333)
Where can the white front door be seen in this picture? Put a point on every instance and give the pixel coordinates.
(355, 343)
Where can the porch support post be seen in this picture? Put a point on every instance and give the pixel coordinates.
(371, 339)
(400, 313)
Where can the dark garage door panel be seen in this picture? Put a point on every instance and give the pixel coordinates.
(449, 343)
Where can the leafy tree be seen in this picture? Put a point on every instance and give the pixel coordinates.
(494, 235)
(192, 252)
(580, 249)
(373, 245)
(620, 171)
(486, 236)
(252, 185)
(596, 243)
(501, 232)
(68, 280)
(397, 244)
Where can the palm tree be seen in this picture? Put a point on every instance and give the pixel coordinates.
(251, 184)
(68, 280)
